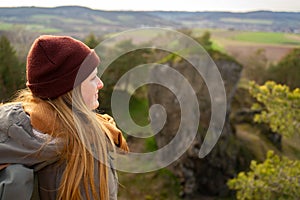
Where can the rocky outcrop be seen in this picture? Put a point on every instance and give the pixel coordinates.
(209, 174)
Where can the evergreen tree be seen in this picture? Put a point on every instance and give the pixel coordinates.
(11, 71)
(92, 41)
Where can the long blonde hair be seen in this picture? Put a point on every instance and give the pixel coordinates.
(85, 149)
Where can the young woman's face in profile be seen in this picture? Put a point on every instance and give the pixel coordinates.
(89, 90)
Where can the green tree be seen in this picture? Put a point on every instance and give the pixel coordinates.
(279, 107)
(11, 70)
(205, 40)
(275, 178)
(287, 70)
(92, 41)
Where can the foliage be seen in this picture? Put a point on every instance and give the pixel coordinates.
(205, 40)
(280, 107)
(275, 178)
(11, 70)
(92, 41)
(150, 144)
(159, 185)
(216, 52)
(287, 70)
(138, 107)
(117, 69)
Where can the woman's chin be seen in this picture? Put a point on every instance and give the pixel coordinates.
(96, 105)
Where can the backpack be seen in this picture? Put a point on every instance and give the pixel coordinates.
(18, 182)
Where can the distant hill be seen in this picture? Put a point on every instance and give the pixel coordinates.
(76, 20)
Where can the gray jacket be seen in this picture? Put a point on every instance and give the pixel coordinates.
(20, 147)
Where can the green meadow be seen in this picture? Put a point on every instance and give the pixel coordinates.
(267, 38)
(30, 27)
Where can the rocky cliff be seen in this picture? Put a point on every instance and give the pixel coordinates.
(209, 174)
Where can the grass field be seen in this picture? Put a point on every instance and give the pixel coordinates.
(30, 27)
(266, 38)
(242, 45)
(6, 26)
(225, 37)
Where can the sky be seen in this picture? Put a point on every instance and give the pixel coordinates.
(166, 5)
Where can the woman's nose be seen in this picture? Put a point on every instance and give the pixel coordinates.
(100, 84)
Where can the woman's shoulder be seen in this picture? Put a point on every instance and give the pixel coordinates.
(18, 143)
(11, 113)
(10, 105)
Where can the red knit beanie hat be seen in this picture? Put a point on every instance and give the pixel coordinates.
(57, 64)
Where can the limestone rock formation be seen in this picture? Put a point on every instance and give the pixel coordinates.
(209, 174)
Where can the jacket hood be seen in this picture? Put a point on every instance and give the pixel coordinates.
(19, 144)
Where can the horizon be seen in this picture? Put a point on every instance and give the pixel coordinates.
(82, 6)
(175, 5)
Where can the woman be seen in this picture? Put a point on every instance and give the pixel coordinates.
(52, 129)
